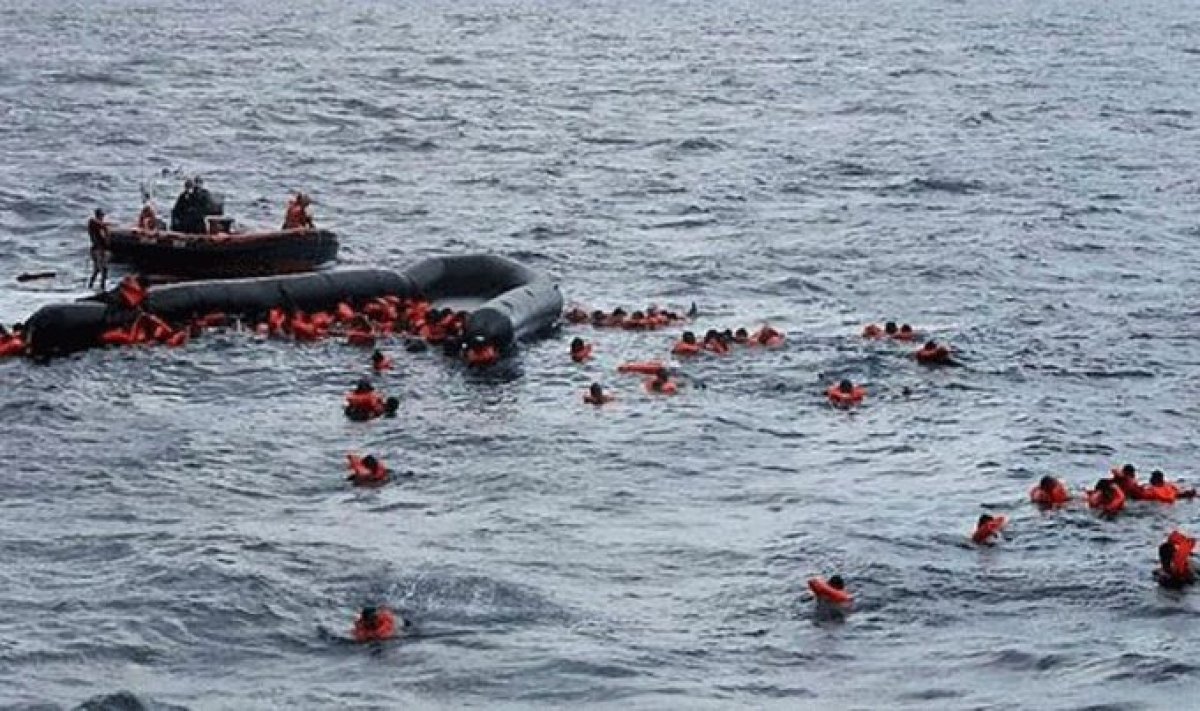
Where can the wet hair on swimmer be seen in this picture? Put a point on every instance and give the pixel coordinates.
(1047, 483)
(363, 386)
(846, 386)
(905, 328)
(377, 356)
(1129, 470)
(1157, 478)
(688, 337)
(662, 374)
(370, 461)
(710, 334)
(889, 327)
(741, 333)
(391, 405)
(930, 345)
(836, 582)
(577, 344)
(1105, 486)
(368, 615)
(596, 390)
(984, 518)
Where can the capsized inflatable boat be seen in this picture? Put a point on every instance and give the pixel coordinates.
(506, 301)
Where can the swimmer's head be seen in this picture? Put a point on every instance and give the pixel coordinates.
(391, 405)
(377, 356)
(368, 616)
(596, 391)
(364, 386)
(836, 582)
(577, 344)
(370, 462)
(846, 386)
(905, 328)
(1166, 555)
(1129, 471)
(889, 327)
(983, 519)
(1047, 483)
(688, 337)
(1157, 478)
(930, 345)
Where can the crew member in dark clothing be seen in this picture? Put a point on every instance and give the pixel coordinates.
(183, 214)
(98, 233)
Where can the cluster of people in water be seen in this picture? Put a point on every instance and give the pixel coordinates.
(1108, 499)
(650, 318)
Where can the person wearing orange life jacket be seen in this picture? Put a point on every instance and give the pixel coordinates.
(845, 394)
(933, 353)
(987, 529)
(100, 245)
(380, 362)
(767, 337)
(576, 315)
(296, 217)
(1126, 479)
(376, 624)
(131, 292)
(1107, 498)
(831, 593)
(714, 344)
(1163, 491)
(366, 471)
(686, 345)
(580, 351)
(904, 333)
(1049, 492)
(1174, 558)
(741, 337)
(11, 344)
(661, 383)
(596, 395)
(480, 353)
(872, 331)
(365, 404)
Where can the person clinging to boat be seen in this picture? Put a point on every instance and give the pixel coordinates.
(297, 217)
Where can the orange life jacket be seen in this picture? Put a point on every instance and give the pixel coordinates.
(650, 367)
(1165, 493)
(275, 320)
(872, 330)
(360, 473)
(131, 293)
(843, 399)
(116, 337)
(304, 330)
(1128, 485)
(930, 356)
(766, 337)
(11, 346)
(1057, 496)
(824, 591)
(904, 336)
(383, 629)
(582, 354)
(1112, 507)
(296, 217)
(368, 403)
(683, 348)
(1181, 565)
(668, 387)
(987, 529)
(479, 357)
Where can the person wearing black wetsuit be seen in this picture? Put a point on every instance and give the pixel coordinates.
(98, 234)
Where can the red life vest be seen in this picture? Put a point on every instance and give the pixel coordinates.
(296, 217)
(683, 348)
(368, 403)
(360, 473)
(1112, 507)
(1057, 496)
(383, 629)
(131, 293)
(844, 399)
(11, 346)
(826, 592)
(667, 387)
(650, 367)
(984, 532)
(933, 356)
(479, 357)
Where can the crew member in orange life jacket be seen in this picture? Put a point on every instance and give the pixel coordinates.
(296, 217)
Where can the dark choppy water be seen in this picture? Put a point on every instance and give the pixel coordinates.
(1019, 177)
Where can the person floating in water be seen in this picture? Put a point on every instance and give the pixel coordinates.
(1174, 559)
(1163, 491)
(366, 471)
(581, 350)
(100, 245)
(1126, 479)
(1107, 498)
(366, 404)
(1049, 493)
(831, 593)
(596, 395)
(845, 394)
(376, 624)
(297, 216)
(987, 529)
(661, 383)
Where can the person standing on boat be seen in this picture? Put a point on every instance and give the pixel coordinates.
(147, 218)
(183, 215)
(98, 234)
(204, 202)
(297, 217)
